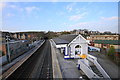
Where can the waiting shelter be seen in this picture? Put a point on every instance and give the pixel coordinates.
(72, 45)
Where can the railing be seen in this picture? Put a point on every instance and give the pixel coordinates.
(94, 60)
(87, 70)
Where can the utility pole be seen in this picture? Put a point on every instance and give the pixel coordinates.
(8, 49)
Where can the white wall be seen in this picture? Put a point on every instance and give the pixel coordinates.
(84, 48)
(70, 48)
(61, 45)
(79, 41)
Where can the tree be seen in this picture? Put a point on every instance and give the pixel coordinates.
(107, 32)
(111, 51)
(65, 32)
(50, 34)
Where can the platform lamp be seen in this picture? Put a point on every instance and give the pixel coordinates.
(8, 49)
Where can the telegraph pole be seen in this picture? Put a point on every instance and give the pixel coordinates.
(8, 49)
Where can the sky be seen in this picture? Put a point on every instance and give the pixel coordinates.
(59, 16)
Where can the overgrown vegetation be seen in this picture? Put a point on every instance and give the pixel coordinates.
(111, 52)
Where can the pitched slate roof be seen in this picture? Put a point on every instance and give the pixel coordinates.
(65, 39)
(115, 42)
(60, 41)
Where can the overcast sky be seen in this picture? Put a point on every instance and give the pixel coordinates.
(59, 16)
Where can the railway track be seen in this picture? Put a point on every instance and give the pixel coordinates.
(39, 65)
(46, 70)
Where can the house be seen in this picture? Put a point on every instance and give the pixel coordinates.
(107, 43)
(72, 46)
(103, 37)
(104, 41)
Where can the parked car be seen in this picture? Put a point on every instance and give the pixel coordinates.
(93, 49)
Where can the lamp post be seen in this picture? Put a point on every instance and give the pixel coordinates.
(8, 49)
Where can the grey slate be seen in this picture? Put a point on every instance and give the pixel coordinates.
(60, 41)
(65, 39)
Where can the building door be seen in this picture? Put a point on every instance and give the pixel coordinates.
(63, 50)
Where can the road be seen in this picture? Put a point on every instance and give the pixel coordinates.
(39, 65)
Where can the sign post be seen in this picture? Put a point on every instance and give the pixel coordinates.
(8, 49)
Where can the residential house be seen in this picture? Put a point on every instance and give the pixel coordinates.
(103, 37)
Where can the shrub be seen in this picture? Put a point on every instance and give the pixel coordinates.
(111, 51)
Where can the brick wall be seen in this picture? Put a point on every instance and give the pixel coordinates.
(3, 48)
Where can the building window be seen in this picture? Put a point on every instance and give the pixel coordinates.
(78, 46)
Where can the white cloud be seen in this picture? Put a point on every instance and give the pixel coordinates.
(106, 24)
(78, 10)
(70, 7)
(18, 8)
(110, 18)
(30, 9)
(77, 17)
(27, 9)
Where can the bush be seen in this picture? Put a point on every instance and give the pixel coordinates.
(111, 51)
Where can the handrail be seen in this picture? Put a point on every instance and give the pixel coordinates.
(101, 70)
(87, 70)
(94, 60)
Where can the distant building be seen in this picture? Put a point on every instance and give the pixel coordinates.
(19, 36)
(23, 36)
(3, 48)
(71, 45)
(107, 32)
(15, 35)
(30, 36)
(103, 37)
(107, 43)
(4, 34)
(84, 31)
(94, 32)
(104, 41)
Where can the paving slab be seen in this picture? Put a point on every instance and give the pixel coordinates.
(55, 64)
(68, 67)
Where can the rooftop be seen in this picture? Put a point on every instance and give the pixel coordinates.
(115, 42)
(104, 35)
(64, 39)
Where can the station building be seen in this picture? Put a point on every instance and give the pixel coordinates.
(72, 46)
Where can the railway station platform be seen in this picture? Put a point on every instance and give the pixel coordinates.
(9, 68)
(68, 68)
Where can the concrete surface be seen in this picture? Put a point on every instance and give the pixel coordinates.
(55, 64)
(68, 67)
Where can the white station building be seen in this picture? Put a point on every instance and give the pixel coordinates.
(72, 46)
